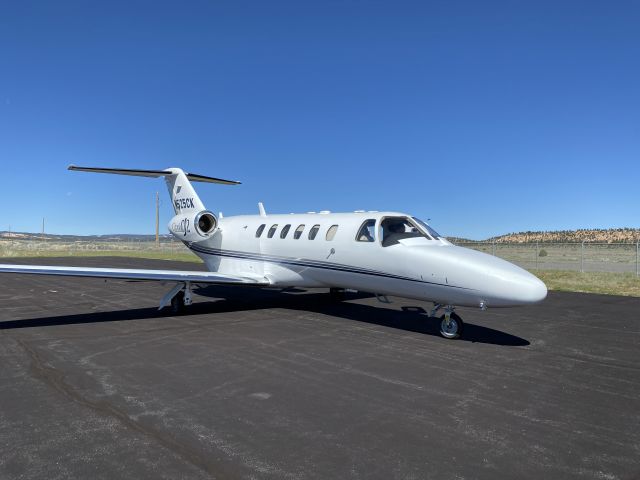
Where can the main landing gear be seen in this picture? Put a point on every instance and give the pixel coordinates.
(451, 325)
(177, 303)
(178, 298)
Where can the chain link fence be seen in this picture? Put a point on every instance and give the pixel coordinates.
(581, 257)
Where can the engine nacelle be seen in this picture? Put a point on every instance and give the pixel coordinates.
(193, 228)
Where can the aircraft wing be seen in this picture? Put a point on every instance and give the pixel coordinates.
(138, 274)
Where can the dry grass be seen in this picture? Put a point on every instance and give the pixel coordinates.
(627, 284)
(184, 256)
(136, 249)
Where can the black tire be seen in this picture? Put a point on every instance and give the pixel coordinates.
(456, 326)
(337, 294)
(177, 303)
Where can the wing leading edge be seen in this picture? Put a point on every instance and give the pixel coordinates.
(137, 274)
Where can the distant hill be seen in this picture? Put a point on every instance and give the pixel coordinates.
(596, 235)
(122, 237)
(457, 240)
(611, 235)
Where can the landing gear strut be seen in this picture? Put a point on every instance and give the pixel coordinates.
(451, 325)
(178, 297)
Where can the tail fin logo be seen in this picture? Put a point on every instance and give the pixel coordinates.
(178, 188)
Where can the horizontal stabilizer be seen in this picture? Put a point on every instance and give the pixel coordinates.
(194, 177)
(138, 274)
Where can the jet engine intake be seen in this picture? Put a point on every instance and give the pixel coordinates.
(205, 222)
(193, 228)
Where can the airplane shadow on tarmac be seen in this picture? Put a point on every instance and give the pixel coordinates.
(234, 299)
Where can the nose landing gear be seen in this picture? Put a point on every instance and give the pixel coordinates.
(451, 325)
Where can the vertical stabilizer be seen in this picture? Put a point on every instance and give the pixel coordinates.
(183, 196)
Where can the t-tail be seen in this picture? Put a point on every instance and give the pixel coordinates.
(192, 221)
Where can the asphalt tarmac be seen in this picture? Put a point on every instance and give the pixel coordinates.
(253, 383)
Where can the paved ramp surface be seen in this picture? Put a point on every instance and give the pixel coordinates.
(260, 384)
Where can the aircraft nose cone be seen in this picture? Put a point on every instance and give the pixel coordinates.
(528, 288)
(489, 280)
(499, 283)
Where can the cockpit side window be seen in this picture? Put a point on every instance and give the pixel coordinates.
(367, 232)
(399, 228)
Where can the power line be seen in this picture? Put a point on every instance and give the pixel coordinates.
(157, 219)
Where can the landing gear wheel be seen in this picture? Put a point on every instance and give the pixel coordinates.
(177, 303)
(453, 328)
(337, 294)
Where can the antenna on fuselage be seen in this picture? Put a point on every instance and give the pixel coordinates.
(261, 209)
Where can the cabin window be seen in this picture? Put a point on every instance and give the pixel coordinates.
(272, 230)
(395, 229)
(298, 233)
(367, 232)
(285, 230)
(331, 232)
(313, 232)
(260, 230)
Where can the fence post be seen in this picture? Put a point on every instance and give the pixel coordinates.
(637, 258)
(494, 248)
(582, 258)
(537, 253)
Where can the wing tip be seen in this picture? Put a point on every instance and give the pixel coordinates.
(196, 177)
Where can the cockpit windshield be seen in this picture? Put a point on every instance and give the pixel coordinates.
(395, 229)
(427, 228)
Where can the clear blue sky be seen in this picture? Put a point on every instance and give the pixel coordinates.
(487, 117)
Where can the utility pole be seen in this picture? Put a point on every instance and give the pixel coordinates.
(43, 228)
(157, 219)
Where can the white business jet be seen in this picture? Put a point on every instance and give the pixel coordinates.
(386, 253)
